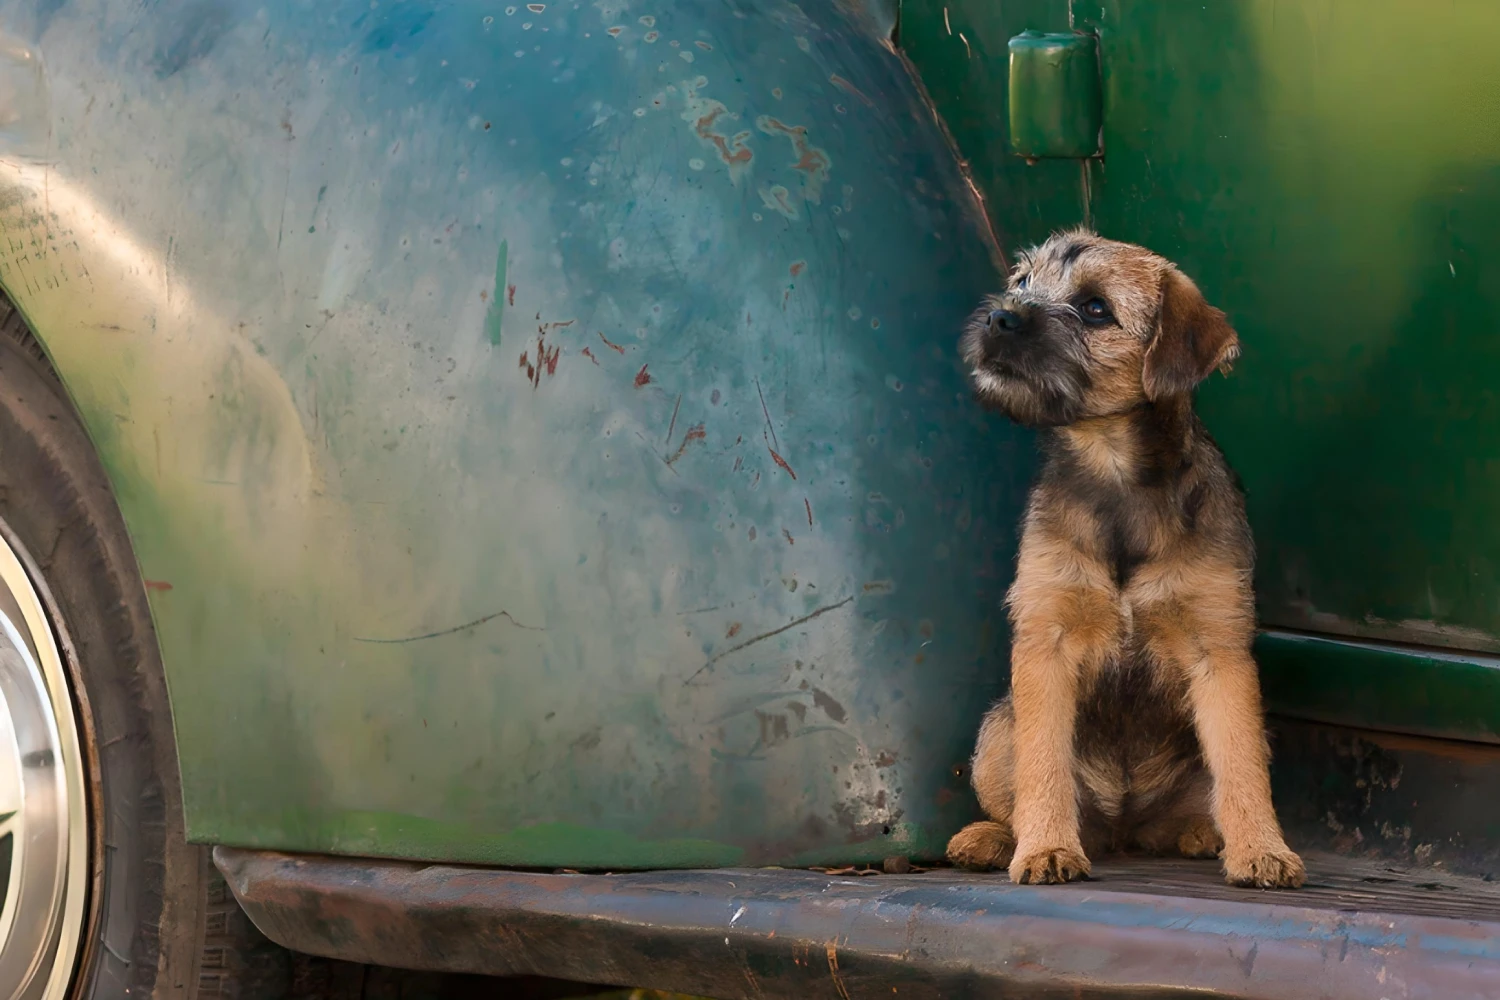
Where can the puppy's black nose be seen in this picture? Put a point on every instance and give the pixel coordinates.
(1005, 321)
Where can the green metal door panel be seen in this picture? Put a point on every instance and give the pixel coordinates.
(1330, 173)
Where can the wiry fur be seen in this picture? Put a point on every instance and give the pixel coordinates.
(1134, 718)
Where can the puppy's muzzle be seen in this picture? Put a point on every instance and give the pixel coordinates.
(1006, 322)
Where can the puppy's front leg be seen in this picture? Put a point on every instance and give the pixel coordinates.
(1059, 639)
(1225, 693)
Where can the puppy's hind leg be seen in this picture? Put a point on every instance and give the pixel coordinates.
(1186, 825)
(990, 844)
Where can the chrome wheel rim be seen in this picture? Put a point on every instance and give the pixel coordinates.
(43, 803)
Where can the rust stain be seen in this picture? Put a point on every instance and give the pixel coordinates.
(588, 353)
(780, 461)
(850, 89)
(612, 346)
(704, 46)
(833, 970)
(788, 536)
(510, 294)
(642, 377)
(812, 162)
(615, 31)
(731, 149)
(694, 433)
(160, 586)
(798, 266)
(879, 587)
(886, 758)
(808, 504)
(734, 630)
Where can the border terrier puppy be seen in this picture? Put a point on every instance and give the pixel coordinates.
(1134, 718)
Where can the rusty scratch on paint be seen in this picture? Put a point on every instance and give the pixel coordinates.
(825, 609)
(642, 377)
(609, 344)
(798, 266)
(808, 504)
(776, 457)
(788, 536)
(697, 432)
(851, 89)
(673, 425)
(158, 586)
(588, 353)
(812, 162)
(457, 628)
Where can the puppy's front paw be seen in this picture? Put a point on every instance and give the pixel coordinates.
(1048, 865)
(982, 846)
(1278, 868)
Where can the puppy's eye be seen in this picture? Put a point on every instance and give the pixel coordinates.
(1023, 281)
(1096, 312)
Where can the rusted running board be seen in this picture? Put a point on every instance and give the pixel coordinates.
(798, 934)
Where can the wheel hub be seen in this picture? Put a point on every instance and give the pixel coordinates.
(43, 814)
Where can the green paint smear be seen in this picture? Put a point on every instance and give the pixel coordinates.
(496, 314)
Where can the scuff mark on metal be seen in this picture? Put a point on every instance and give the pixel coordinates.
(495, 315)
(779, 200)
(457, 628)
(812, 162)
(825, 609)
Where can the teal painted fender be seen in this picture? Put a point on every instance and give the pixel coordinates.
(539, 425)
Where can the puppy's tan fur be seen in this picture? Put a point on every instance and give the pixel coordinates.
(1134, 718)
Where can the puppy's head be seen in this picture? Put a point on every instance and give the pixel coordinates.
(1088, 327)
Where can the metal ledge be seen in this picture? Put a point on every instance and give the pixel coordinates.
(1144, 928)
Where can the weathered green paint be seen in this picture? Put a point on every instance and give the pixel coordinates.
(1330, 175)
(1055, 103)
(1377, 686)
(700, 563)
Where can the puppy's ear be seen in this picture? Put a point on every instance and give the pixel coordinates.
(1192, 339)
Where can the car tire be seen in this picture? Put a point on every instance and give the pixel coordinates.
(156, 919)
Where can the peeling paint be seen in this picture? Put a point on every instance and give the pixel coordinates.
(813, 163)
(706, 115)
